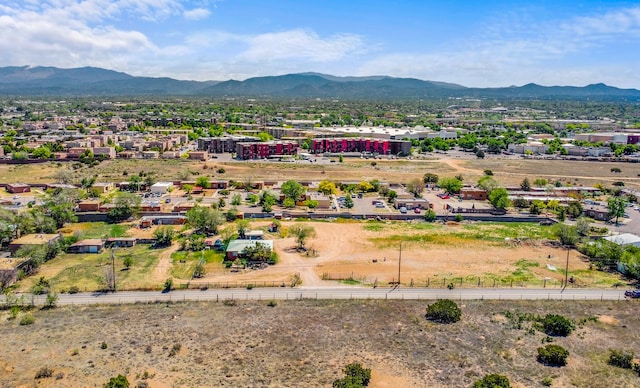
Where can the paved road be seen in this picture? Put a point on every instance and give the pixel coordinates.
(329, 293)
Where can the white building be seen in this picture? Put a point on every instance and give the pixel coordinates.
(162, 187)
(624, 239)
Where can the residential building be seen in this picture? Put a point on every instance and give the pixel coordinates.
(33, 240)
(368, 145)
(16, 188)
(245, 151)
(94, 245)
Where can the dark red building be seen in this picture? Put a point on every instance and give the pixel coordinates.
(245, 151)
(354, 144)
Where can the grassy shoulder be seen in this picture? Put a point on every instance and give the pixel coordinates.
(87, 271)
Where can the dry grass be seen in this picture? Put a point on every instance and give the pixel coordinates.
(308, 342)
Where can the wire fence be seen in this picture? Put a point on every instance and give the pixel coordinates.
(466, 282)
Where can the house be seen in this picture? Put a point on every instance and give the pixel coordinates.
(89, 206)
(148, 221)
(102, 187)
(600, 213)
(199, 155)
(120, 242)
(624, 239)
(93, 245)
(473, 193)
(162, 187)
(33, 240)
(254, 235)
(235, 247)
(16, 188)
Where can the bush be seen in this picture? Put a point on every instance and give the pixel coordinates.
(621, 359)
(103, 345)
(175, 350)
(355, 376)
(27, 320)
(44, 373)
(553, 355)
(444, 311)
(492, 381)
(74, 290)
(458, 218)
(547, 381)
(557, 325)
(430, 215)
(168, 285)
(117, 382)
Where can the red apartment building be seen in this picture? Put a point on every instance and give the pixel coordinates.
(354, 144)
(246, 151)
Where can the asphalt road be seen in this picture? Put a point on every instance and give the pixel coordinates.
(329, 293)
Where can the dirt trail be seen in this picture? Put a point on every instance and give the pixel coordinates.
(161, 272)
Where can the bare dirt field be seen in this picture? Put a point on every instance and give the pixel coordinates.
(369, 252)
(507, 170)
(306, 343)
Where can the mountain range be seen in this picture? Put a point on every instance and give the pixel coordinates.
(92, 81)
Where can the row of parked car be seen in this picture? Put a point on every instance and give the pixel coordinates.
(632, 294)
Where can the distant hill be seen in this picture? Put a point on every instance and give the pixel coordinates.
(87, 81)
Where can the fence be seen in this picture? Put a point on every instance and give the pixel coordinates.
(461, 282)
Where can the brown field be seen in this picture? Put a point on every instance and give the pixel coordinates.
(430, 253)
(508, 171)
(306, 343)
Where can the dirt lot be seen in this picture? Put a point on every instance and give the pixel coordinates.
(431, 252)
(254, 345)
(507, 170)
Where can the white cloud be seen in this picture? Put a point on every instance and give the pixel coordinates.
(196, 14)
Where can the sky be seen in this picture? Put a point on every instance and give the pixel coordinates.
(489, 43)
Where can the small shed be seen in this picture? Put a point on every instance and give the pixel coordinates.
(94, 245)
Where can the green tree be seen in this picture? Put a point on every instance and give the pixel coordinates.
(567, 234)
(450, 185)
(164, 236)
(430, 215)
(499, 198)
(444, 311)
(267, 200)
(616, 207)
(205, 220)
(204, 182)
(243, 226)
(126, 205)
(429, 177)
(292, 189)
(42, 152)
(135, 181)
(492, 381)
(187, 188)
(127, 261)
(348, 202)
(415, 187)
(301, 233)
(525, 185)
(236, 200)
(575, 209)
(488, 184)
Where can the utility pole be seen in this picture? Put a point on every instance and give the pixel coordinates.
(566, 270)
(399, 262)
(113, 270)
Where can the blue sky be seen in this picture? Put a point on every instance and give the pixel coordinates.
(473, 43)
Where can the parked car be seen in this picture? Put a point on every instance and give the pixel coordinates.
(416, 210)
(403, 210)
(632, 294)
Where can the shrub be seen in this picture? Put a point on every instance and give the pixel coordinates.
(492, 381)
(27, 320)
(119, 381)
(272, 303)
(547, 381)
(444, 311)
(168, 284)
(557, 325)
(458, 218)
(621, 359)
(44, 373)
(354, 376)
(430, 215)
(553, 355)
(74, 290)
(175, 350)
(103, 345)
